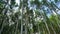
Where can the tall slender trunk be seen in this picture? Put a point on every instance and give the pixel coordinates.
(16, 27)
(22, 16)
(2, 27)
(45, 18)
(22, 22)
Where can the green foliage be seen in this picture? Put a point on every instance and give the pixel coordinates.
(26, 20)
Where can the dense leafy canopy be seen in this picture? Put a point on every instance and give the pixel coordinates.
(29, 17)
